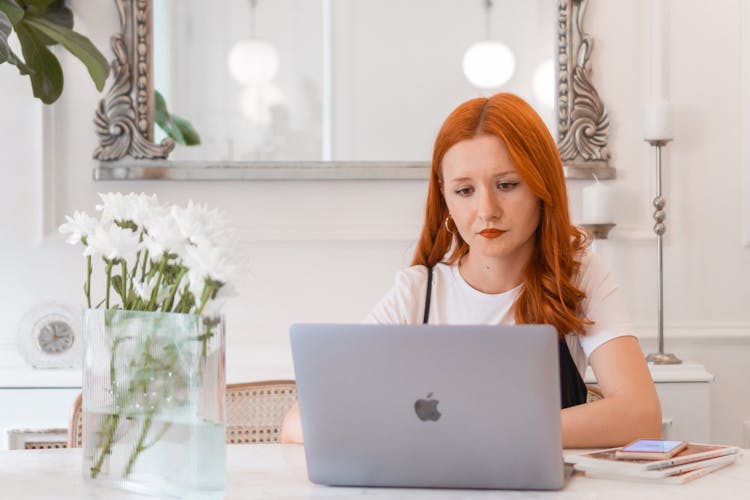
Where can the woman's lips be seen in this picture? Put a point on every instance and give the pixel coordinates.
(491, 233)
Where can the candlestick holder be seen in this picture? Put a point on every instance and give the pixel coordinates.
(599, 231)
(660, 214)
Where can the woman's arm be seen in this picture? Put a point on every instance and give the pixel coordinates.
(630, 408)
(291, 428)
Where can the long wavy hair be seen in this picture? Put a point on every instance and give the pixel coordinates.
(549, 294)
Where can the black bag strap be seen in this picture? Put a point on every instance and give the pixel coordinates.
(427, 298)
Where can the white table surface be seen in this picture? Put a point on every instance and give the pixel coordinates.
(278, 471)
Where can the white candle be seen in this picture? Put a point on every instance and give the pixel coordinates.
(658, 121)
(598, 204)
(657, 50)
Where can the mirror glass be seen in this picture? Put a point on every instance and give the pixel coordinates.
(364, 80)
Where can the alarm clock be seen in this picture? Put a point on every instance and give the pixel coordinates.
(50, 336)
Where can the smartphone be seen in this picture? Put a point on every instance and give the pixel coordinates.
(651, 449)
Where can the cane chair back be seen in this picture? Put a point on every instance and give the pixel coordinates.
(255, 412)
(75, 427)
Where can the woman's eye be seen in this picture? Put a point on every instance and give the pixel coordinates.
(506, 186)
(464, 191)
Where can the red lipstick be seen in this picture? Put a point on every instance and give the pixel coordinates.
(491, 233)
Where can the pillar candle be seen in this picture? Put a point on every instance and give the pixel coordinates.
(598, 204)
(658, 121)
(657, 50)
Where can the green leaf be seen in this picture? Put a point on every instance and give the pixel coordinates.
(22, 68)
(12, 10)
(160, 108)
(174, 126)
(78, 45)
(46, 73)
(41, 4)
(187, 130)
(58, 14)
(117, 283)
(5, 28)
(174, 132)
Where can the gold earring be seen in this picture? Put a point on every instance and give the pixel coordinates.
(447, 228)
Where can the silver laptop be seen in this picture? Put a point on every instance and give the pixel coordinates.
(430, 406)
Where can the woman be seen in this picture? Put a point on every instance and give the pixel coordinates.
(497, 247)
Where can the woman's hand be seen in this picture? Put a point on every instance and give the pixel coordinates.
(291, 428)
(630, 408)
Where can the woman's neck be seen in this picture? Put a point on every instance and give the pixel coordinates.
(492, 275)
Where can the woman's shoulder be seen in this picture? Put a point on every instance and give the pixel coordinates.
(411, 276)
(417, 275)
(593, 268)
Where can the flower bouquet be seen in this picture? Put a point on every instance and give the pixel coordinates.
(153, 384)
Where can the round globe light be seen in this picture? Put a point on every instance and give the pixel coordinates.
(544, 83)
(488, 64)
(253, 61)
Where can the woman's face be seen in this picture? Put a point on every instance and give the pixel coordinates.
(494, 210)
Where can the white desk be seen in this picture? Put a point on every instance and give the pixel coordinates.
(273, 471)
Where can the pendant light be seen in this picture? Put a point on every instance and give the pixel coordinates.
(488, 64)
(253, 61)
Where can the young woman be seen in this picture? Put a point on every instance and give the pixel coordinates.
(497, 247)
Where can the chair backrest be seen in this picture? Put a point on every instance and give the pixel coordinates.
(75, 427)
(255, 412)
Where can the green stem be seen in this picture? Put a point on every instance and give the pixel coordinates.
(109, 281)
(139, 445)
(87, 286)
(205, 296)
(110, 427)
(143, 269)
(155, 292)
(167, 306)
(135, 267)
(124, 289)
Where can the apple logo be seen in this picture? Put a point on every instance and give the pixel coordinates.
(426, 409)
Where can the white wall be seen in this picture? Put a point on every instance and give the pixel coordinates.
(326, 251)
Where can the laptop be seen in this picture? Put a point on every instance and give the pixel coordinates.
(430, 406)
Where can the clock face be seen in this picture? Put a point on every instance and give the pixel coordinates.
(49, 336)
(55, 337)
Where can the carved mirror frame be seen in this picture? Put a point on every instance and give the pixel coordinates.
(125, 117)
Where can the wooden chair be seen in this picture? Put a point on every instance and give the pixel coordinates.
(255, 412)
(75, 427)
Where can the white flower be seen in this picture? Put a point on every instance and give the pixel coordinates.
(145, 209)
(210, 261)
(199, 224)
(112, 242)
(131, 207)
(79, 226)
(163, 236)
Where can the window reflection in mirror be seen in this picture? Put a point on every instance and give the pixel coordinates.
(364, 80)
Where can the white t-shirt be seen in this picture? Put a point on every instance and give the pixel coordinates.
(455, 302)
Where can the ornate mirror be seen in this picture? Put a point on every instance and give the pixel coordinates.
(129, 148)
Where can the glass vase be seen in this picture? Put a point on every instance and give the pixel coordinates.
(153, 402)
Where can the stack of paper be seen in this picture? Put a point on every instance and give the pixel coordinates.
(694, 461)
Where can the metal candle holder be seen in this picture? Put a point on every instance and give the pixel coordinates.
(660, 358)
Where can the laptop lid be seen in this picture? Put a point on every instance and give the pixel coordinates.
(430, 406)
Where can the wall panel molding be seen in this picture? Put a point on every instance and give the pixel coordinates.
(744, 64)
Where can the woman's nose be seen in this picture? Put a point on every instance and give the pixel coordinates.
(488, 206)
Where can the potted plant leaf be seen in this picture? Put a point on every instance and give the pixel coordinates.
(40, 24)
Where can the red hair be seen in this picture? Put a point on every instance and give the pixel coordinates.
(549, 294)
